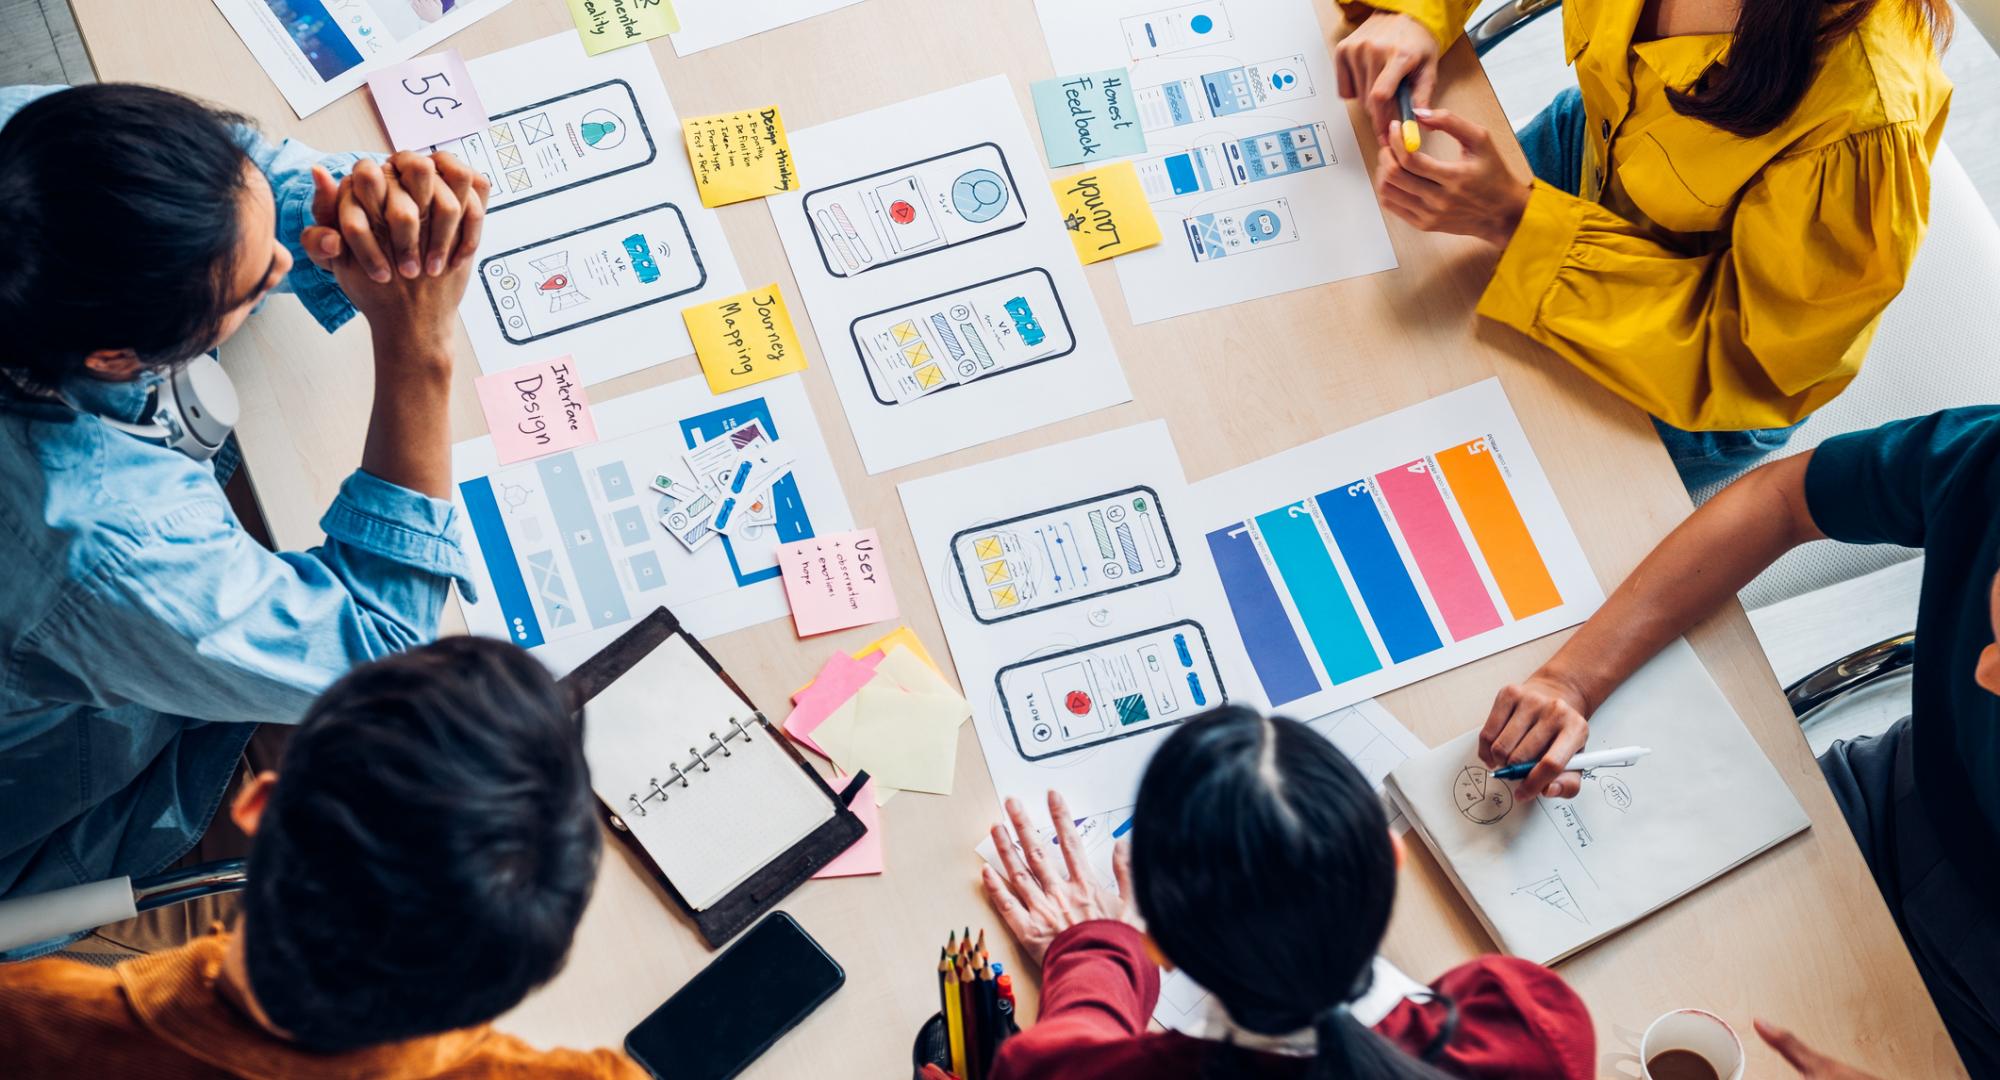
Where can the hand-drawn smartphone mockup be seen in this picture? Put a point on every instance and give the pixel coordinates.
(1240, 229)
(962, 336)
(1223, 93)
(1173, 29)
(1063, 554)
(561, 143)
(914, 209)
(591, 274)
(1235, 162)
(1114, 689)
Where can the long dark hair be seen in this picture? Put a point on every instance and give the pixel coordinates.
(1262, 863)
(1772, 55)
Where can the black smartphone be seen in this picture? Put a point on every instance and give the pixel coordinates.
(742, 1003)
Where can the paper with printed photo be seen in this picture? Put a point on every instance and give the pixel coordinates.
(708, 23)
(318, 50)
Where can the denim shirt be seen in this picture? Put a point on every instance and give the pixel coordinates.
(143, 632)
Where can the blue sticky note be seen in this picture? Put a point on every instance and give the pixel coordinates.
(1089, 117)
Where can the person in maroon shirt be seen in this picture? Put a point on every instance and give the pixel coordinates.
(1263, 865)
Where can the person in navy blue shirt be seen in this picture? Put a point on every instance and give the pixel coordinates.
(1923, 798)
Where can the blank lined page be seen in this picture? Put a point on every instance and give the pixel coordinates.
(711, 832)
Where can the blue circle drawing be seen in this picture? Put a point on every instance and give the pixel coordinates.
(1201, 24)
(1283, 80)
(1261, 225)
(979, 195)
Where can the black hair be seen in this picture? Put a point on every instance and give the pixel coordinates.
(1262, 864)
(426, 852)
(118, 227)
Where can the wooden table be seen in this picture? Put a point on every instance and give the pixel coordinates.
(1799, 935)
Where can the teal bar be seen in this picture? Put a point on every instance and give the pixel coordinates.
(1322, 602)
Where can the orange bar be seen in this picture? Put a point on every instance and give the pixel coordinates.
(1475, 481)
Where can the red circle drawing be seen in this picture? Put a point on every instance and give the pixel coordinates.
(902, 212)
(1078, 702)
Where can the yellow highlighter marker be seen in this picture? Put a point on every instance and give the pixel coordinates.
(1413, 135)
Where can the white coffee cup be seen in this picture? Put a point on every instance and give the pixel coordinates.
(1700, 1031)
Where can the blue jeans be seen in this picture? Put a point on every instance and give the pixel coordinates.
(1553, 142)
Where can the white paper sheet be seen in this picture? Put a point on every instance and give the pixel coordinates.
(1554, 875)
(1393, 550)
(708, 23)
(568, 549)
(947, 298)
(318, 50)
(595, 237)
(1251, 162)
(1081, 611)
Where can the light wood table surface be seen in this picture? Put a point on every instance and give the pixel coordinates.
(1799, 935)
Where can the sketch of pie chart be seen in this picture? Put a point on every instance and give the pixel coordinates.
(603, 129)
(979, 195)
(1482, 799)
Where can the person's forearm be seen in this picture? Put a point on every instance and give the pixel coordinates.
(1698, 567)
(409, 431)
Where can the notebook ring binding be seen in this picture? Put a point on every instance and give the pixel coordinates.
(697, 759)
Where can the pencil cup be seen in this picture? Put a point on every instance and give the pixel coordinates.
(933, 1046)
(1691, 1044)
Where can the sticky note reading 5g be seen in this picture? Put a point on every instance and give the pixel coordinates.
(426, 101)
(605, 25)
(745, 339)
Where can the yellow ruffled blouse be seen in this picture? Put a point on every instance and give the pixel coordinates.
(1716, 281)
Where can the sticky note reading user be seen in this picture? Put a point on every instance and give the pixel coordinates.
(836, 581)
(744, 339)
(1089, 117)
(605, 25)
(536, 409)
(427, 101)
(740, 155)
(1106, 212)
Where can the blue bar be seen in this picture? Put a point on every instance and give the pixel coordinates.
(1378, 570)
(509, 591)
(1317, 592)
(599, 594)
(1260, 619)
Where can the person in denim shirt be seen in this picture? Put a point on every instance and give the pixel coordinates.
(143, 633)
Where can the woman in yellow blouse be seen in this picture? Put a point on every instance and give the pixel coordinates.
(1718, 214)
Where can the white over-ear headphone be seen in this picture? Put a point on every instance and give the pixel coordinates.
(193, 410)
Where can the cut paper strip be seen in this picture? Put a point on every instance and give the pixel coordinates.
(865, 857)
(836, 682)
(1475, 481)
(907, 741)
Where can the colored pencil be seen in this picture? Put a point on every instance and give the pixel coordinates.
(954, 1022)
(968, 1002)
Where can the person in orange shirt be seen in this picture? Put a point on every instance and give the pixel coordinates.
(419, 869)
(1717, 214)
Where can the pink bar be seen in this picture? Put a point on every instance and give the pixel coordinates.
(1440, 552)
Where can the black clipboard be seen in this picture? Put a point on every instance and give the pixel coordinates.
(761, 892)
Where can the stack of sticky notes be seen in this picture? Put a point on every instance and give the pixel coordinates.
(887, 711)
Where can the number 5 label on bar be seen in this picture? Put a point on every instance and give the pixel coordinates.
(962, 336)
(592, 274)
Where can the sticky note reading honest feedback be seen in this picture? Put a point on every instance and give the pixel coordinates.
(605, 25)
(1088, 117)
(1106, 212)
(836, 581)
(427, 101)
(536, 409)
(744, 339)
(740, 155)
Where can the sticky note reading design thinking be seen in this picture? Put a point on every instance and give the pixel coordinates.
(1088, 117)
(836, 581)
(426, 101)
(744, 339)
(536, 409)
(1106, 212)
(738, 156)
(605, 25)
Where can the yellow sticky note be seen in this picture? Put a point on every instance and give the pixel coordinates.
(744, 339)
(904, 636)
(1106, 212)
(605, 25)
(902, 666)
(907, 741)
(739, 155)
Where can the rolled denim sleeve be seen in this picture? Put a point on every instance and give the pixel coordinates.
(391, 522)
(288, 166)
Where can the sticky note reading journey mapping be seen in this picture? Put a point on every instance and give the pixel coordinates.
(745, 339)
(426, 101)
(1106, 212)
(837, 581)
(536, 409)
(1089, 117)
(605, 25)
(740, 155)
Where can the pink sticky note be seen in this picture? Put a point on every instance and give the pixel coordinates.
(841, 678)
(427, 101)
(536, 409)
(837, 581)
(865, 857)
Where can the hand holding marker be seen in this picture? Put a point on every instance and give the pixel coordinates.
(1413, 134)
(1595, 759)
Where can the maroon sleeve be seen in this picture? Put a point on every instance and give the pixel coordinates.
(1098, 986)
(1514, 1019)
